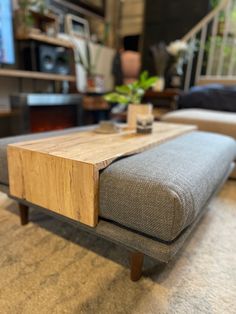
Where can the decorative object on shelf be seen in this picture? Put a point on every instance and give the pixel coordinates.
(161, 58)
(107, 127)
(132, 94)
(101, 59)
(46, 22)
(177, 51)
(77, 26)
(95, 81)
(23, 18)
(33, 18)
(144, 123)
(135, 110)
(160, 85)
(39, 6)
(59, 14)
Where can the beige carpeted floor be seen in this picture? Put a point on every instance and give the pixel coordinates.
(51, 267)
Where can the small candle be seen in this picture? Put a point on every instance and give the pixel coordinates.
(144, 123)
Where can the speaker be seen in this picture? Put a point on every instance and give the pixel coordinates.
(46, 58)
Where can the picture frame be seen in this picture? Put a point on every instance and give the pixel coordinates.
(77, 26)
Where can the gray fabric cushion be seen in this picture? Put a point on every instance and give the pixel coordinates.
(161, 191)
(130, 239)
(16, 139)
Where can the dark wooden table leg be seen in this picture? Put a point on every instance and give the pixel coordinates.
(136, 264)
(24, 214)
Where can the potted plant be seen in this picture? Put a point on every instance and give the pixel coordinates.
(95, 81)
(177, 51)
(160, 58)
(23, 18)
(131, 95)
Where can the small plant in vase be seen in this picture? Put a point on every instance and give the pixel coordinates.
(23, 17)
(132, 95)
(160, 58)
(178, 52)
(84, 58)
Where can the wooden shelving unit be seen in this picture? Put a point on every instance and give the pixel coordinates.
(46, 39)
(40, 75)
(36, 75)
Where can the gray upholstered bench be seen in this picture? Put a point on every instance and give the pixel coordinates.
(151, 201)
(207, 120)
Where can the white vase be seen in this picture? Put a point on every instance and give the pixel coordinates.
(134, 110)
(160, 85)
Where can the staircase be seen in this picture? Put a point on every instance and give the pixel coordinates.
(212, 48)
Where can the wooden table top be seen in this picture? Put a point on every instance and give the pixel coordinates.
(101, 149)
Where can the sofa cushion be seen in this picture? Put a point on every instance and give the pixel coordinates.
(213, 97)
(160, 192)
(21, 138)
(206, 120)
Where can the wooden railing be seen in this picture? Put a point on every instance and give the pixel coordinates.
(212, 46)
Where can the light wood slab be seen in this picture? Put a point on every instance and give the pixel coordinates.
(46, 39)
(36, 75)
(62, 173)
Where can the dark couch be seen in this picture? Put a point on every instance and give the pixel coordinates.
(211, 97)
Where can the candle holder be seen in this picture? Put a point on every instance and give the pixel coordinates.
(144, 123)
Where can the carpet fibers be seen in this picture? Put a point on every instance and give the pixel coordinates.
(52, 267)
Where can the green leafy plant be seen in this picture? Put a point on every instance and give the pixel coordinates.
(214, 3)
(132, 93)
(26, 4)
(26, 15)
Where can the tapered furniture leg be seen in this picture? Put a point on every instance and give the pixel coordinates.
(136, 264)
(24, 214)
